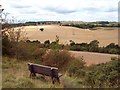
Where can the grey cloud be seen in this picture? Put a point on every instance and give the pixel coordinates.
(24, 9)
(112, 10)
(18, 5)
(45, 14)
(21, 6)
(60, 10)
(28, 12)
(100, 9)
(91, 9)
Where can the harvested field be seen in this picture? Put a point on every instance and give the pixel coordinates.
(93, 58)
(65, 33)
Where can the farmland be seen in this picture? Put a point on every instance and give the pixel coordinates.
(104, 35)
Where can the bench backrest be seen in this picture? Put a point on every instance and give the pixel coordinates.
(44, 70)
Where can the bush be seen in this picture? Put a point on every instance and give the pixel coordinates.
(30, 51)
(76, 67)
(57, 58)
(6, 44)
(103, 75)
(47, 43)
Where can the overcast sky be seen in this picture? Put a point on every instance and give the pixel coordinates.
(63, 10)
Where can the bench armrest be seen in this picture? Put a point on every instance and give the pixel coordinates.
(59, 74)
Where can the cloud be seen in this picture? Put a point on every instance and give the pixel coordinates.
(20, 6)
(82, 10)
(60, 10)
(112, 10)
(28, 12)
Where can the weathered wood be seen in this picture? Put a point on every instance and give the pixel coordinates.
(44, 70)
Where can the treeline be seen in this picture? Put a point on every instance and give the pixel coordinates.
(84, 26)
(93, 46)
(90, 26)
(42, 23)
(8, 25)
(9, 47)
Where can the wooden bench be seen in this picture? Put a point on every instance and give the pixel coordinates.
(44, 70)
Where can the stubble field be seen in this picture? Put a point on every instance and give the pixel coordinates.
(105, 36)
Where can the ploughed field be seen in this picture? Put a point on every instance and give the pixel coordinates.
(105, 36)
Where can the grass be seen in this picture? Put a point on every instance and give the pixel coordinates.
(71, 82)
(16, 75)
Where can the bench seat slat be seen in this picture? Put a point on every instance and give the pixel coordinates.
(44, 70)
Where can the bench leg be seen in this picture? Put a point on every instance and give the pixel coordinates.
(53, 80)
(58, 80)
(32, 75)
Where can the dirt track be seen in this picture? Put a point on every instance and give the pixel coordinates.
(66, 34)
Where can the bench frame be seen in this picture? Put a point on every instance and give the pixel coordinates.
(40, 69)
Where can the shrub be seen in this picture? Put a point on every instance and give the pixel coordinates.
(6, 44)
(54, 45)
(57, 58)
(90, 79)
(76, 67)
(103, 75)
(113, 51)
(47, 43)
(72, 43)
(29, 51)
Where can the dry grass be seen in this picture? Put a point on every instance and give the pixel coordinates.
(65, 33)
(15, 74)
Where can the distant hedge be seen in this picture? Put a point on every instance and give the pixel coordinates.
(93, 46)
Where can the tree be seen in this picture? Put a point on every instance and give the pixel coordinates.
(41, 29)
(55, 44)
(72, 43)
(13, 35)
(93, 45)
(47, 43)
